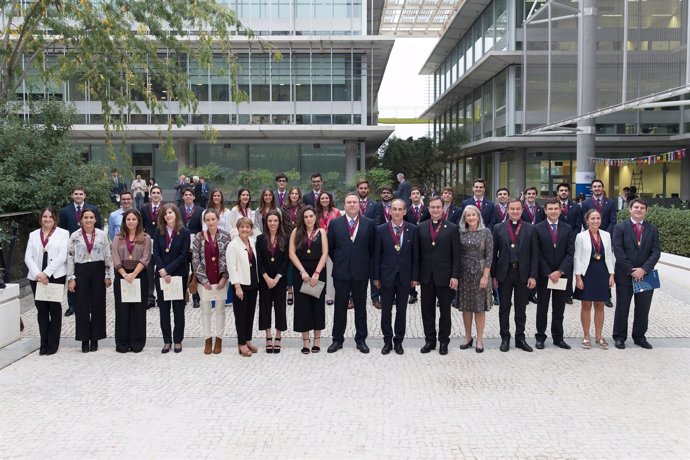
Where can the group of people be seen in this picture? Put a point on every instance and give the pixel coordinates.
(297, 249)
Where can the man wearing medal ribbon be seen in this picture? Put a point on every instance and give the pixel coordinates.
(571, 214)
(514, 272)
(415, 214)
(396, 270)
(149, 216)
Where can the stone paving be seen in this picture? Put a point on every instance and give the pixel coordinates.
(547, 404)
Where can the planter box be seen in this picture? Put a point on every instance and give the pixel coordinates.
(9, 314)
(673, 268)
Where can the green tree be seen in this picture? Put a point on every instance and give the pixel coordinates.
(422, 160)
(120, 51)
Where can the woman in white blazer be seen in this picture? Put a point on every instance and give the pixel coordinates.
(46, 259)
(244, 277)
(242, 209)
(594, 266)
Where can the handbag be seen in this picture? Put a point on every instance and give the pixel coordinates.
(192, 284)
(313, 291)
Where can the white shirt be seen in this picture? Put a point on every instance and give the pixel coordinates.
(354, 235)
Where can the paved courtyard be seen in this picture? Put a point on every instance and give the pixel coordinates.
(547, 404)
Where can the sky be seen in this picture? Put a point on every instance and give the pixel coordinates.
(404, 93)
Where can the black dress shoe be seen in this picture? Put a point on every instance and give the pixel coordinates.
(150, 305)
(522, 345)
(644, 344)
(608, 303)
(620, 344)
(42, 351)
(496, 301)
(443, 349)
(539, 345)
(177, 348)
(84, 346)
(465, 346)
(335, 346)
(399, 348)
(569, 300)
(479, 349)
(562, 344)
(413, 299)
(533, 298)
(428, 347)
(387, 348)
(361, 346)
(70, 311)
(196, 304)
(94, 345)
(505, 345)
(166, 348)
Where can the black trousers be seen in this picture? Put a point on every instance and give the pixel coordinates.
(643, 303)
(557, 311)
(343, 289)
(244, 314)
(71, 299)
(130, 318)
(430, 294)
(49, 315)
(89, 310)
(400, 293)
(270, 299)
(509, 287)
(164, 307)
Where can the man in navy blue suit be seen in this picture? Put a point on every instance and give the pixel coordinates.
(571, 214)
(70, 220)
(396, 270)
(149, 218)
(451, 213)
(501, 205)
(117, 186)
(403, 191)
(608, 210)
(637, 249)
(191, 218)
(532, 213)
(368, 208)
(281, 190)
(351, 248)
(486, 207)
(416, 213)
(312, 198)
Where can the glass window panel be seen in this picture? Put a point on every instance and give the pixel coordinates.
(233, 156)
(488, 28)
(303, 119)
(275, 157)
(301, 68)
(501, 20)
(280, 79)
(341, 74)
(477, 38)
(323, 8)
(321, 119)
(260, 78)
(321, 77)
(303, 8)
(325, 158)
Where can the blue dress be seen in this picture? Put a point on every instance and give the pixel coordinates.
(596, 280)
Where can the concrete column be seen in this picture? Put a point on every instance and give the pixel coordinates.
(182, 153)
(351, 149)
(685, 178)
(586, 134)
(519, 171)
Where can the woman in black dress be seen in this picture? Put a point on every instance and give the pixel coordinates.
(309, 252)
(272, 258)
(290, 212)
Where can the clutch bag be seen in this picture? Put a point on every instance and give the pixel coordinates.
(312, 291)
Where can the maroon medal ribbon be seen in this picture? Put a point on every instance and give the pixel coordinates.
(310, 238)
(514, 235)
(417, 212)
(188, 215)
(444, 216)
(353, 228)
(434, 231)
(387, 213)
(272, 245)
(396, 237)
(168, 239)
(637, 228)
(153, 215)
(363, 206)
(325, 220)
(250, 255)
(44, 241)
(242, 210)
(502, 213)
(530, 213)
(78, 214)
(293, 213)
(554, 235)
(130, 246)
(89, 244)
(596, 205)
(213, 243)
(596, 242)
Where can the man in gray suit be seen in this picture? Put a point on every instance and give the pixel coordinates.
(403, 190)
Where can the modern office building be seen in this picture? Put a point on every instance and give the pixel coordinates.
(503, 68)
(314, 110)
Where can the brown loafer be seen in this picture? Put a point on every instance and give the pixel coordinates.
(251, 347)
(244, 351)
(208, 346)
(218, 346)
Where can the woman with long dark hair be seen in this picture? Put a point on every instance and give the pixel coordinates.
(46, 259)
(242, 209)
(217, 201)
(290, 212)
(272, 257)
(267, 203)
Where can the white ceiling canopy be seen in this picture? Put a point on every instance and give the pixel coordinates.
(417, 18)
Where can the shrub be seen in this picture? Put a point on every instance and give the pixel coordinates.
(673, 225)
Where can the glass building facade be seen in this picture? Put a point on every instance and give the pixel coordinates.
(509, 67)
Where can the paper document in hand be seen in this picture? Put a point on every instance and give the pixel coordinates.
(209, 295)
(173, 289)
(559, 285)
(131, 293)
(51, 292)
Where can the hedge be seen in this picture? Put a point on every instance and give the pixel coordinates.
(673, 225)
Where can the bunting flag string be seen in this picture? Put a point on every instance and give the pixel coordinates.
(643, 160)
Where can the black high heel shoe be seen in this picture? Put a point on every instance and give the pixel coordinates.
(94, 345)
(84, 346)
(467, 345)
(305, 350)
(276, 345)
(479, 350)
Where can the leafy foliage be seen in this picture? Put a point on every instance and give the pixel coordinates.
(673, 227)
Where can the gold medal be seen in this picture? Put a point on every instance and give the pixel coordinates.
(213, 259)
(597, 257)
(308, 251)
(433, 243)
(512, 245)
(397, 248)
(352, 238)
(273, 259)
(554, 246)
(167, 249)
(45, 250)
(130, 257)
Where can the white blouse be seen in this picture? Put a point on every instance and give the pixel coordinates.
(235, 215)
(78, 254)
(223, 222)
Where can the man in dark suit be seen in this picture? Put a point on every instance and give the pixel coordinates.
(608, 210)
(514, 271)
(439, 270)
(451, 213)
(384, 204)
(396, 270)
(191, 218)
(403, 191)
(556, 244)
(70, 220)
(416, 212)
(637, 249)
(312, 198)
(486, 207)
(533, 213)
(117, 186)
(501, 205)
(571, 214)
(368, 208)
(281, 190)
(149, 219)
(351, 248)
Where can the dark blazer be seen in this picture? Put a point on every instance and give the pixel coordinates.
(403, 192)
(629, 255)
(573, 217)
(149, 221)
(388, 262)
(285, 197)
(487, 211)
(263, 261)
(497, 214)
(439, 263)
(117, 188)
(308, 198)
(194, 224)
(175, 261)
(454, 214)
(372, 210)
(540, 214)
(352, 260)
(560, 258)
(68, 217)
(609, 211)
(423, 215)
(381, 214)
(528, 253)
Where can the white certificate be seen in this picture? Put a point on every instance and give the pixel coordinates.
(130, 293)
(559, 285)
(209, 295)
(173, 289)
(51, 292)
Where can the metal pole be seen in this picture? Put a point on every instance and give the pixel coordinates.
(586, 135)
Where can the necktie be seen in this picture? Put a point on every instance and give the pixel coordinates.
(397, 230)
(416, 209)
(282, 195)
(189, 211)
(598, 201)
(479, 204)
(554, 227)
(352, 223)
(78, 209)
(154, 209)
